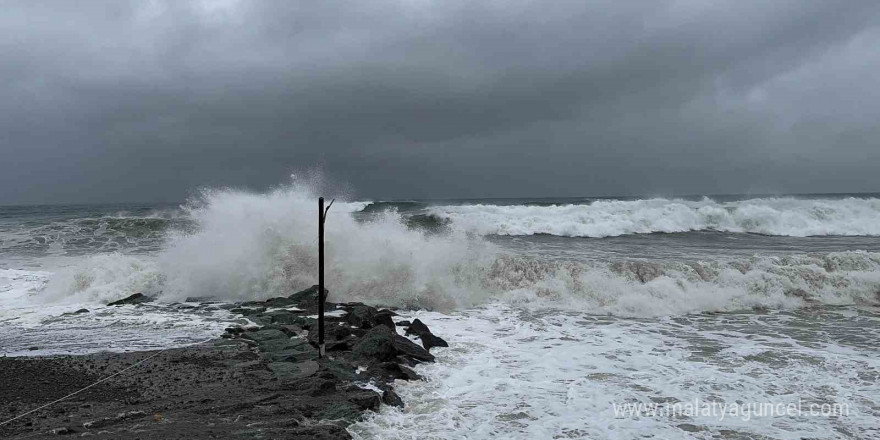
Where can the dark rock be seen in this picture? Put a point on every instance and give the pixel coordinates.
(417, 328)
(283, 317)
(383, 317)
(248, 311)
(391, 371)
(279, 302)
(390, 398)
(292, 353)
(337, 369)
(377, 344)
(365, 400)
(293, 370)
(429, 340)
(137, 298)
(288, 329)
(408, 348)
(361, 316)
(261, 320)
(337, 346)
(78, 312)
(316, 386)
(33, 348)
(403, 360)
(334, 333)
(264, 335)
(403, 323)
(307, 298)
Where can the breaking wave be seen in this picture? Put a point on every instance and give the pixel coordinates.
(608, 218)
(248, 246)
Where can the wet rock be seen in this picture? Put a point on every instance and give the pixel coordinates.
(292, 353)
(383, 317)
(428, 339)
(282, 317)
(78, 312)
(248, 311)
(390, 398)
(403, 323)
(377, 344)
(308, 298)
(361, 316)
(137, 298)
(293, 370)
(234, 330)
(417, 328)
(365, 400)
(279, 302)
(288, 329)
(431, 340)
(408, 348)
(391, 371)
(264, 335)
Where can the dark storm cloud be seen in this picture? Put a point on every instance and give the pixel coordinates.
(110, 100)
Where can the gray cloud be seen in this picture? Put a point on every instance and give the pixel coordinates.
(116, 101)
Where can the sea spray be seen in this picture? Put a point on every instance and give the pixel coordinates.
(241, 245)
(250, 246)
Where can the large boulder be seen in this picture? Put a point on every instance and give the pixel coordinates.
(307, 299)
(429, 340)
(378, 344)
(389, 397)
(366, 317)
(408, 348)
(361, 316)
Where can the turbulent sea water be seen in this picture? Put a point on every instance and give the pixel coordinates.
(558, 311)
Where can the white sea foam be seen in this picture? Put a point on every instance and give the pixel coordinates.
(517, 375)
(253, 245)
(36, 311)
(250, 246)
(258, 245)
(607, 218)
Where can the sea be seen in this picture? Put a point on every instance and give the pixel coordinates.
(704, 317)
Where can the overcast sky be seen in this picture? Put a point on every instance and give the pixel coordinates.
(146, 101)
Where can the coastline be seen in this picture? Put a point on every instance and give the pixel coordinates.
(261, 380)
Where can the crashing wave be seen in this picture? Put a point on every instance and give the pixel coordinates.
(249, 246)
(608, 218)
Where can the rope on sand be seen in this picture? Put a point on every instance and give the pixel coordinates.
(99, 382)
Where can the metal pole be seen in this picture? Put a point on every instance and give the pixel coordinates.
(320, 277)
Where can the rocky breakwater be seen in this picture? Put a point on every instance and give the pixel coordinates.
(365, 353)
(262, 379)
